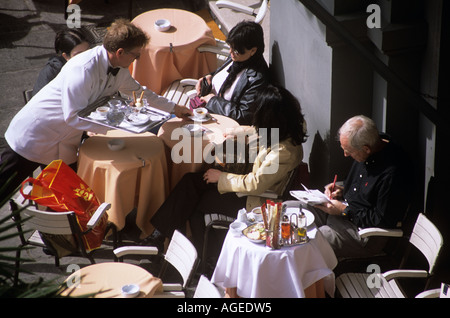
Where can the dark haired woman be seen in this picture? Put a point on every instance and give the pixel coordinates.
(68, 43)
(234, 84)
(277, 112)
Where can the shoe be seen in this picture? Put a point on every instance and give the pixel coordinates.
(155, 239)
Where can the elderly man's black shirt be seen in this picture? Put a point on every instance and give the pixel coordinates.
(379, 190)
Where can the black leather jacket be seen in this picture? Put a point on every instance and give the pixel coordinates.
(240, 107)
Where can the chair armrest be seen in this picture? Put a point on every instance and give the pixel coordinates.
(235, 6)
(98, 215)
(135, 250)
(401, 273)
(220, 50)
(375, 231)
(169, 294)
(432, 293)
(188, 82)
(191, 94)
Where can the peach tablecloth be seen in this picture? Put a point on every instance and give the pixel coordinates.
(172, 54)
(134, 177)
(196, 144)
(107, 279)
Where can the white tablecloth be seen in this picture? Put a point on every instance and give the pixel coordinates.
(259, 272)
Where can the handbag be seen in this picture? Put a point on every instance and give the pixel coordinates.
(59, 188)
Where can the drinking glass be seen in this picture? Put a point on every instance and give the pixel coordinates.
(115, 115)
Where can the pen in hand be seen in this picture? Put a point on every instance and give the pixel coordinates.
(333, 186)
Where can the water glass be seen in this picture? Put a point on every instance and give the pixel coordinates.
(115, 115)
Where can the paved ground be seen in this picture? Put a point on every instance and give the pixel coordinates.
(27, 32)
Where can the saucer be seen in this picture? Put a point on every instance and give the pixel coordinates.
(138, 119)
(201, 120)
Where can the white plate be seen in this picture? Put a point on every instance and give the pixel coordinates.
(293, 207)
(202, 120)
(249, 228)
(195, 129)
(138, 119)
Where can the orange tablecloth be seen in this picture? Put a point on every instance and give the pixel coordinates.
(173, 55)
(217, 127)
(134, 177)
(107, 280)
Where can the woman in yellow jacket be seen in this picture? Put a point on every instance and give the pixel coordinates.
(278, 114)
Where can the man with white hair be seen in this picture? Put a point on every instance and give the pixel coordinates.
(376, 192)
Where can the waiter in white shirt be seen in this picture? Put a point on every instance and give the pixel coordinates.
(48, 128)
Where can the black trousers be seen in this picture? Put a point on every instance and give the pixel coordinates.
(12, 163)
(190, 200)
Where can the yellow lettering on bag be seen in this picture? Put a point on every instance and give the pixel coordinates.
(84, 193)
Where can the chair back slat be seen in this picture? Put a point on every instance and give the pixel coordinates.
(182, 254)
(427, 239)
(48, 222)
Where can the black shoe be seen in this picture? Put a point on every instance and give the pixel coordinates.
(155, 239)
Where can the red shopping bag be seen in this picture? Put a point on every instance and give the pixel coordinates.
(61, 189)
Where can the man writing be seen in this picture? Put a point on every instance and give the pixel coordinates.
(48, 128)
(376, 193)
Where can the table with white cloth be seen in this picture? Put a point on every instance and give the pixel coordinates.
(134, 177)
(253, 270)
(105, 280)
(172, 55)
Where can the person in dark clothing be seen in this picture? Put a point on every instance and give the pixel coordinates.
(68, 43)
(376, 192)
(234, 84)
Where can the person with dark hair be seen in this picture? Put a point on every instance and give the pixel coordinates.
(68, 43)
(199, 193)
(48, 127)
(234, 84)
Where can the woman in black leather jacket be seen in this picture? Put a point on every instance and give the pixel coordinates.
(234, 85)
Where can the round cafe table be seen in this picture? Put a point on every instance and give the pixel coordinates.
(251, 270)
(172, 55)
(134, 177)
(105, 280)
(185, 152)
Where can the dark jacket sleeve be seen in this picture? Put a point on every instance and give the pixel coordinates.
(48, 73)
(240, 107)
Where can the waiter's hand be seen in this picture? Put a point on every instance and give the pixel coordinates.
(182, 111)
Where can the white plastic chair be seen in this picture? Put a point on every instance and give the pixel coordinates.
(181, 254)
(56, 223)
(425, 237)
(206, 289)
(256, 9)
(181, 91)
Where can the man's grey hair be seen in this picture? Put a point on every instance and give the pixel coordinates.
(360, 131)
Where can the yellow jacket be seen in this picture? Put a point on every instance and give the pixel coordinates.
(270, 172)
